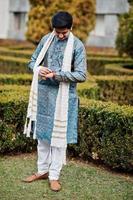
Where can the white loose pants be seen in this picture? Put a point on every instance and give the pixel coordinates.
(49, 159)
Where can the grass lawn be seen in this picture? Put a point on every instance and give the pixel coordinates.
(80, 181)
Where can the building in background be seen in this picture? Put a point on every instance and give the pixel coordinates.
(13, 17)
(106, 28)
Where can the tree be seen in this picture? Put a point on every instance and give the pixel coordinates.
(130, 1)
(124, 41)
(39, 17)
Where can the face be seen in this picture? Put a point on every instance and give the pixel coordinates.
(62, 33)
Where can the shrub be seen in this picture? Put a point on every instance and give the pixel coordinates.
(130, 1)
(18, 79)
(13, 106)
(116, 89)
(96, 65)
(118, 69)
(105, 129)
(124, 39)
(10, 65)
(108, 88)
(39, 21)
(15, 53)
(89, 90)
(16, 44)
(101, 52)
(105, 133)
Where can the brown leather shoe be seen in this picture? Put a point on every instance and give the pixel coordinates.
(55, 185)
(35, 177)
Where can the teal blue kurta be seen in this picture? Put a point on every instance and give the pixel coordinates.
(48, 89)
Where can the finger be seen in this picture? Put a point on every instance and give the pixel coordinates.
(50, 75)
(46, 68)
(43, 77)
(45, 71)
(43, 74)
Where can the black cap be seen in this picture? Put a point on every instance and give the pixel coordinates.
(62, 20)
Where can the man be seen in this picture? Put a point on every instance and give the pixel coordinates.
(56, 78)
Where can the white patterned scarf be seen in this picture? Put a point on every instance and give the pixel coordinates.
(59, 134)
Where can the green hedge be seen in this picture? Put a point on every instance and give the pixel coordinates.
(96, 65)
(106, 133)
(105, 129)
(12, 65)
(118, 89)
(16, 53)
(18, 62)
(28, 47)
(13, 105)
(107, 88)
(89, 90)
(18, 79)
(118, 69)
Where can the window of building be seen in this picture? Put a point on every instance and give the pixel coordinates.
(99, 29)
(19, 20)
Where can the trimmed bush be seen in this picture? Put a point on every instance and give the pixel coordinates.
(18, 79)
(16, 44)
(11, 65)
(105, 133)
(96, 65)
(116, 89)
(109, 88)
(106, 88)
(89, 90)
(118, 69)
(15, 53)
(105, 129)
(102, 52)
(29, 47)
(13, 106)
(16, 64)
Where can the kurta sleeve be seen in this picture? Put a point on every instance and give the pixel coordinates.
(80, 67)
